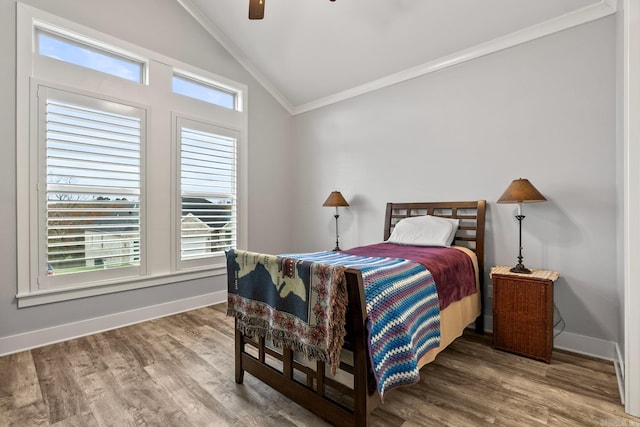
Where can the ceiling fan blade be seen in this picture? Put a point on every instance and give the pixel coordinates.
(256, 9)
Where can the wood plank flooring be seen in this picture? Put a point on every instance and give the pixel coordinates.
(178, 371)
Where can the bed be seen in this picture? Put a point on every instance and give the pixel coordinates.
(345, 389)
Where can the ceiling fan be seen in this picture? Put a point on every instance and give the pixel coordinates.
(256, 9)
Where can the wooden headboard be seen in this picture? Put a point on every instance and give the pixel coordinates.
(471, 215)
(470, 231)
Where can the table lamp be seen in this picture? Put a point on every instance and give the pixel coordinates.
(521, 191)
(335, 199)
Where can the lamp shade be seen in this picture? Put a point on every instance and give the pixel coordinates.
(521, 191)
(335, 199)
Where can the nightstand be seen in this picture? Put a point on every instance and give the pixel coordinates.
(523, 312)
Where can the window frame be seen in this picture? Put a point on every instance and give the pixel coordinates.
(41, 93)
(33, 69)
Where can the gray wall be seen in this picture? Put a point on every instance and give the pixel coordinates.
(544, 110)
(162, 26)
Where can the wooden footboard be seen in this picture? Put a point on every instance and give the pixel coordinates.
(311, 388)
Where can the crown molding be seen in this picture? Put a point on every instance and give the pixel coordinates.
(560, 23)
(236, 52)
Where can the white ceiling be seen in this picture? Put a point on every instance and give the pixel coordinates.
(310, 53)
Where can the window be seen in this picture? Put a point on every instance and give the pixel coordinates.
(204, 92)
(93, 183)
(64, 49)
(208, 158)
(123, 182)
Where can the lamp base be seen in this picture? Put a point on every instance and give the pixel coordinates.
(520, 268)
(337, 248)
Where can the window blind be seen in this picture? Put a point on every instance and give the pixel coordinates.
(208, 222)
(93, 181)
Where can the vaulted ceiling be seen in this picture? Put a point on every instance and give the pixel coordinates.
(310, 53)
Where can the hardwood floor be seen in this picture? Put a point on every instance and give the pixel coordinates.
(178, 371)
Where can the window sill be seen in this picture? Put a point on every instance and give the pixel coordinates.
(48, 296)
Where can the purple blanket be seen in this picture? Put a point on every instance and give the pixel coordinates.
(451, 268)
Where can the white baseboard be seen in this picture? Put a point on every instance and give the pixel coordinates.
(588, 346)
(581, 344)
(41, 337)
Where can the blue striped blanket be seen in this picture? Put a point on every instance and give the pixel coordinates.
(403, 313)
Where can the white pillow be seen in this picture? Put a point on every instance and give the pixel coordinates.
(422, 231)
(455, 223)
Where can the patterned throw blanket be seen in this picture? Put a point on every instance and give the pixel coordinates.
(293, 303)
(402, 308)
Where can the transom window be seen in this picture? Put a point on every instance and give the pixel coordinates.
(92, 57)
(204, 92)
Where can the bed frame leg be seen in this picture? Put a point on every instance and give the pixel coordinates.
(480, 319)
(480, 325)
(239, 349)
